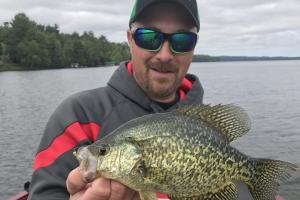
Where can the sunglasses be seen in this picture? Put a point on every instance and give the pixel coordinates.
(152, 40)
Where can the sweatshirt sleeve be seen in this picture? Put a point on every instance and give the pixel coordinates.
(67, 128)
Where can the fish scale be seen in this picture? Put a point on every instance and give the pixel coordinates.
(186, 154)
(176, 145)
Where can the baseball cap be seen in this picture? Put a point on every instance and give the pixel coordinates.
(189, 5)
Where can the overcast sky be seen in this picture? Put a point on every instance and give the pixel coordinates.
(228, 27)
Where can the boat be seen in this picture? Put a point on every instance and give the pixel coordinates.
(22, 195)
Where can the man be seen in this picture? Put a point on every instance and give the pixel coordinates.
(162, 36)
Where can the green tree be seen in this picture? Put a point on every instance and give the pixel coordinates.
(119, 52)
(28, 51)
(21, 27)
(67, 48)
(54, 50)
(52, 29)
(36, 46)
(4, 32)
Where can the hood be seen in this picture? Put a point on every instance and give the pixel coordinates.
(190, 91)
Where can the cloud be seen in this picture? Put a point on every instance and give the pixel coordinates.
(235, 27)
(250, 27)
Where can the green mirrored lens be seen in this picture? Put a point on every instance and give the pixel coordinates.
(152, 40)
(183, 42)
(148, 39)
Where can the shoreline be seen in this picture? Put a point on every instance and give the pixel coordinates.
(15, 67)
(12, 67)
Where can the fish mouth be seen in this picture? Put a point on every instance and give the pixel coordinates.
(88, 164)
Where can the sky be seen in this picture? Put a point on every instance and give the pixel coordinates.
(228, 27)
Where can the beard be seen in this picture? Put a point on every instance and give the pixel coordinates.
(161, 88)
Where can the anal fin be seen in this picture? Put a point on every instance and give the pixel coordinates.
(146, 195)
(227, 192)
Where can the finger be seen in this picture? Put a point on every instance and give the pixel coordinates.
(136, 196)
(74, 182)
(120, 191)
(77, 196)
(98, 190)
(132, 195)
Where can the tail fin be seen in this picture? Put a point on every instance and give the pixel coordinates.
(268, 176)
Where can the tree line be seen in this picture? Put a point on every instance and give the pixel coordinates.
(24, 44)
(29, 45)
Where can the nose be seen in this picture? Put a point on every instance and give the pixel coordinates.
(165, 54)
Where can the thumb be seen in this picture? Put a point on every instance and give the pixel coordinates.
(75, 182)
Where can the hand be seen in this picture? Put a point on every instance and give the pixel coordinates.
(99, 189)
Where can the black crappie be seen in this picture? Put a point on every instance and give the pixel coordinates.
(185, 154)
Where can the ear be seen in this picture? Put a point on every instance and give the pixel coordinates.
(129, 39)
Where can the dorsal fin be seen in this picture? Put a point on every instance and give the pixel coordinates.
(230, 120)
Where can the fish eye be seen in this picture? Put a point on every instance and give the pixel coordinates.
(103, 150)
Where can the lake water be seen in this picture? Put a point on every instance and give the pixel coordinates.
(269, 91)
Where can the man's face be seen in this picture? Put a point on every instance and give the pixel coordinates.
(160, 73)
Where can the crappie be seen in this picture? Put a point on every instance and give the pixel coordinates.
(186, 154)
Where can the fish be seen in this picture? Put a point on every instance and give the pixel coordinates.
(184, 153)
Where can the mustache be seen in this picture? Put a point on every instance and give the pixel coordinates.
(164, 68)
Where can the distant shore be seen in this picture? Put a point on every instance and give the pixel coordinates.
(203, 58)
(208, 58)
(11, 67)
(15, 67)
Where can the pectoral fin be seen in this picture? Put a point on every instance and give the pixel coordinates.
(228, 192)
(145, 195)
